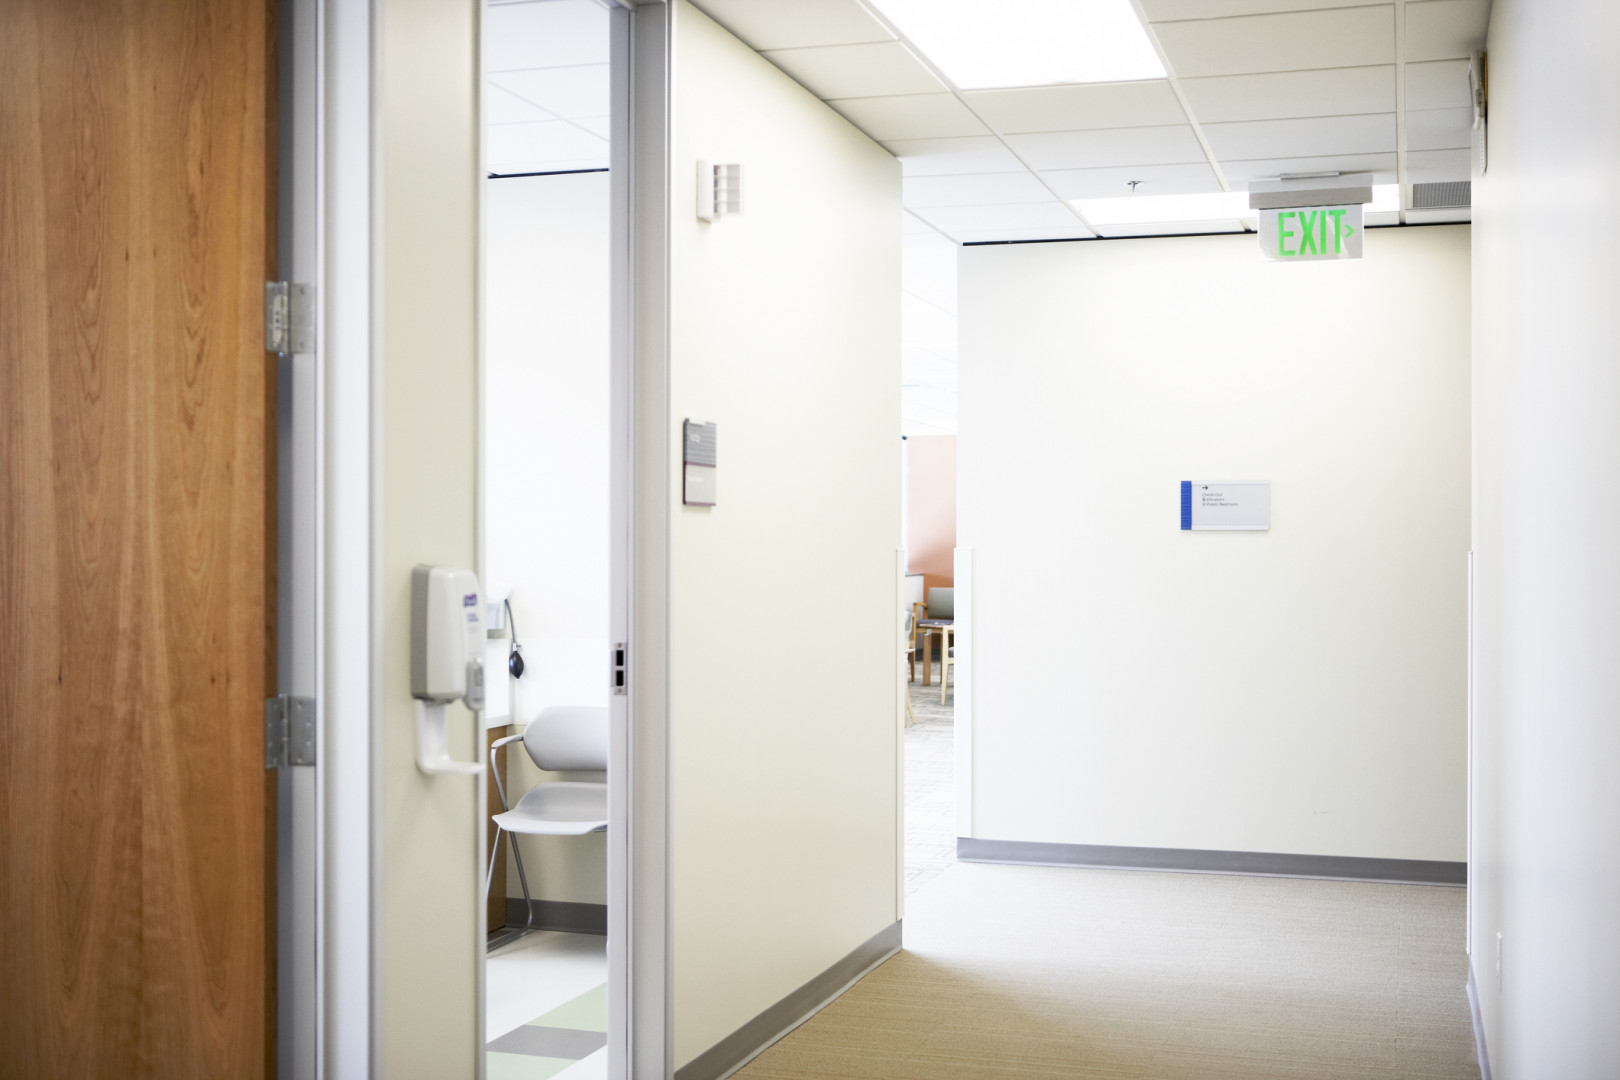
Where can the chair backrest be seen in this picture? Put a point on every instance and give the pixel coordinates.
(568, 737)
(942, 603)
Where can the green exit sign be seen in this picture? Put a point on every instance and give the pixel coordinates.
(1311, 233)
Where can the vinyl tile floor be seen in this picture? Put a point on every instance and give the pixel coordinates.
(930, 780)
(545, 1012)
(1023, 971)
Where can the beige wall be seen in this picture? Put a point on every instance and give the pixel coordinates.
(428, 894)
(1546, 762)
(1297, 690)
(785, 332)
(931, 509)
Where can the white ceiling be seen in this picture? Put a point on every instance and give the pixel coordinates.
(546, 104)
(1255, 88)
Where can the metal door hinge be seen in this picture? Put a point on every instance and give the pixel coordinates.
(289, 317)
(289, 731)
(620, 683)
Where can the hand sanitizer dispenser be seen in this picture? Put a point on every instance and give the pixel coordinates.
(447, 659)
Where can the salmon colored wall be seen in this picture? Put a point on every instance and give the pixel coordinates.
(931, 501)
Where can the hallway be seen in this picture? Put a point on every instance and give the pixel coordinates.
(1022, 971)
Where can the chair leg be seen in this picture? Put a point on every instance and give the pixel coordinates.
(495, 853)
(911, 716)
(523, 880)
(944, 678)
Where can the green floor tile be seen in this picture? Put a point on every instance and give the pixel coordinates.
(588, 1012)
(523, 1066)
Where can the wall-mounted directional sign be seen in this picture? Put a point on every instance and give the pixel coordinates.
(1231, 504)
(1311, 233)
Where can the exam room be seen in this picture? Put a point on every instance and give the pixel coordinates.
(545, 530)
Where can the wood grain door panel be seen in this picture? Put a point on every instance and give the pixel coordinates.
(136, 538)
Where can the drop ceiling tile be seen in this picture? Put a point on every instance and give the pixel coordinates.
(1445, 29)
(920, 363)
(1167, 10)
(1047, 215)
(1279, 95)
(1191, 179)
(1382, 167)
(973, 190)
(504, 107)
(1112, 147)
(566, 92)
(1343, 37)
(545, 34)
(1438, 84)
(1439, 129)
(1079, 108)
(1170, 228)
(910, 116)
(1433, 166)
(1320, 135)
(912, 227)
(553, 145)
(934, 157)
(851, 71)
(1458, 215)
(795, 24)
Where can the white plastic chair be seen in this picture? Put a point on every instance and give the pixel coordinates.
(561, 738)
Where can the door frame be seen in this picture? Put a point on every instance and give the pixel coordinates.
(298, 547)
(328, 647)
(333, 990)
(640, 989)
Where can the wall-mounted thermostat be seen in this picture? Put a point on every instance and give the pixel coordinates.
(1228, 505)
(719, 190)
(698, 463)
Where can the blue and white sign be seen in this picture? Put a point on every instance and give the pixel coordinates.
(1232, 504)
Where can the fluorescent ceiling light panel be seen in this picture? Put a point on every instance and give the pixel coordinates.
(1213, 206)
(990, 44)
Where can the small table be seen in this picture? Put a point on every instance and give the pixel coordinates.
(928, 626)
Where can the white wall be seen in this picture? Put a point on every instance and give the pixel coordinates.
(1299, 690)
(546, 482)
(1546, 518)
(782, 621)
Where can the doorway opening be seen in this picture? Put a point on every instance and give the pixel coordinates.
(546, 532)
(928, 425)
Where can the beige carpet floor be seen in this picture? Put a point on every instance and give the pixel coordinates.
(1015, 971)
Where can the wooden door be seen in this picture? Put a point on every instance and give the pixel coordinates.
(136, 539)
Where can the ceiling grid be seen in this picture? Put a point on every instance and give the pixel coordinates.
(1251, 89)
(878, 17)
(1181, 96)
(1400, 104)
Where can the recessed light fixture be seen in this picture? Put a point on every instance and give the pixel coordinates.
(989, 44)
(1210, 206)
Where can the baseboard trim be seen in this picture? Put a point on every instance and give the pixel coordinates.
(1200, 861)
(1479, 1026)
(565, 915)
(747, 1042)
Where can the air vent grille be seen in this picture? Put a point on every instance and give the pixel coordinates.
(1442, 196)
